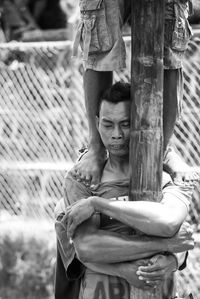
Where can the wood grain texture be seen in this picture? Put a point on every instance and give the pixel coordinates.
(147, 99)
(147, 104)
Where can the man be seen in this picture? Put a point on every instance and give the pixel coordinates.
(109, 234)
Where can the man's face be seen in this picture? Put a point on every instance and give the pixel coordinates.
(114, 127)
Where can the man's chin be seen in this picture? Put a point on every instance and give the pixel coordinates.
(119, 152)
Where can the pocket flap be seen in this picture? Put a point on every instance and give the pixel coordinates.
(90, 4)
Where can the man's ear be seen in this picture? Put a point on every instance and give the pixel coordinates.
(97, 122)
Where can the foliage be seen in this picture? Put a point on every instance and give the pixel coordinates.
(27, 257)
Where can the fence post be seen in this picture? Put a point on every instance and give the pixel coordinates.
(146, 152)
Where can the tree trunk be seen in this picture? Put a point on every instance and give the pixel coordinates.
(146, 153)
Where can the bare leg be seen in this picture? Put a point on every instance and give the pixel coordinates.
(173, 163)
(90, 167)
(171, 99)
(95, 83)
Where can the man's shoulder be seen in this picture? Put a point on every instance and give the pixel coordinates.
(71, 181)
(69, 176)
(74, 189)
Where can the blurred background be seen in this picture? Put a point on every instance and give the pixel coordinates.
(42, 127)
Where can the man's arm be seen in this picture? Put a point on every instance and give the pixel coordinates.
(93, 245)
(125, 270)
(96, 246)
(143, 273)
(152, 218)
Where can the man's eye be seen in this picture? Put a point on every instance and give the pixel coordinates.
(126, 124)
(108, 126)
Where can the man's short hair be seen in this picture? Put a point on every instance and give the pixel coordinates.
(118, 92)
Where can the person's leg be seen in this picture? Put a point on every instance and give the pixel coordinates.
(104, 54)
(172, 96)
(95, 83)
(179, 170)
(90, 166)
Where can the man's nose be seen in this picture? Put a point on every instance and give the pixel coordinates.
(117, 133)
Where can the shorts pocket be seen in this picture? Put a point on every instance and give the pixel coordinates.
(94, 36)
(182, 30)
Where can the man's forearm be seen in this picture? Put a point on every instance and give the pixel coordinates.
(149, 217)
(109, 247)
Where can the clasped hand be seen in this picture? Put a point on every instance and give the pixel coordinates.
(78, 213)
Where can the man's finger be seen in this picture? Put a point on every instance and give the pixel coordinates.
(158, 275)
(150, 268)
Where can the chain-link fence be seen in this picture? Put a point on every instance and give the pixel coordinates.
(43, 124)
(187, 132)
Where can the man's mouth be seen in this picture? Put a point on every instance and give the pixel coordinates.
(117, 146)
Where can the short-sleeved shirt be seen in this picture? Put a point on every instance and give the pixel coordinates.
(95, 285)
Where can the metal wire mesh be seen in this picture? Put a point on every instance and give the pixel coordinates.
(187, 132)
(43, 122)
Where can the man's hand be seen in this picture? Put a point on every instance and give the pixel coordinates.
(158, 268)
(183, 239)
(125, 270)
(129, 272)
(77, 213)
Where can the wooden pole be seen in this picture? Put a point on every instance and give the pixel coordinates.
(146, 153)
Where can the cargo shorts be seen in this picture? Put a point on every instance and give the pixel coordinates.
(99, 33)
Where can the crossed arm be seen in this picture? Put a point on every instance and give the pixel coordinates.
(152, 218)
(100, 246)
(113, 254)
(142, 273)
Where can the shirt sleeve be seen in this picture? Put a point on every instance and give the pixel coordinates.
(180, 193)
(73, 191)
(73, 267)
(60, 208)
